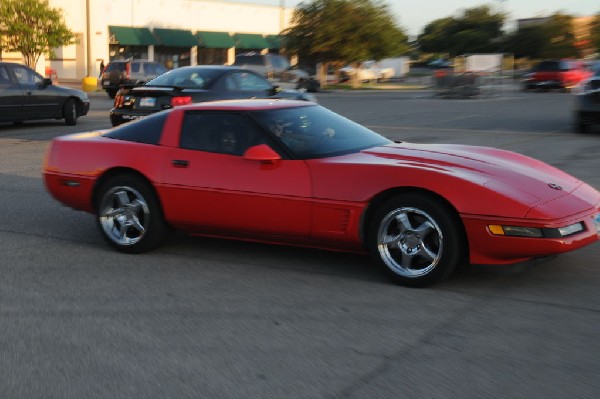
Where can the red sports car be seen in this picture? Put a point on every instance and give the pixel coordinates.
(292, 172)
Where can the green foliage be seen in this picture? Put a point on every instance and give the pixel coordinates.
(561, 38)
(595, 33)
(477, 30)
(528, 42)
(33, 28)
(344, 31)
(553, 38)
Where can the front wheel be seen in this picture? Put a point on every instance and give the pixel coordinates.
(70, 112)
(417, 239)
(129, 214)
(579, 125)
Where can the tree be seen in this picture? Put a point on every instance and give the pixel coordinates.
(595, 33)
(33, 28)
(528, 41)
(478, 29)
(561, 40)
(552, 38)
(343, 32)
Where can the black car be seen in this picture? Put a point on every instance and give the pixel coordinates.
(587, 103)
(194, 84)
(128, 72)
(26, 95)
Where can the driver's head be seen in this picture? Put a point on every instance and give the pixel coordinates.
(228, 141)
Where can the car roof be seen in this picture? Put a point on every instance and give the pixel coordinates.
(12, 63)
(246, 105)
(214, 67)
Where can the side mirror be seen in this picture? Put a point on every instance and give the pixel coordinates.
(261, 153)
(46, 82)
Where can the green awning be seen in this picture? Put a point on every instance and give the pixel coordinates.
(274, 41)
(215, 39)
(249, 41)
(128, 36)
(175, 38)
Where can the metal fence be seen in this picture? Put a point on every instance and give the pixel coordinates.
(450, 84)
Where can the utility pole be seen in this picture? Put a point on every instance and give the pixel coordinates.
(88, 41)
(281, 15)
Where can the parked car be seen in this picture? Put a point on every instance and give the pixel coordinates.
(274, 67)
(556, 74)
(128, 72)
(587, 103)
(367, 71)
(440, 63)
(295, 173)
(192, 84)
(27, 95)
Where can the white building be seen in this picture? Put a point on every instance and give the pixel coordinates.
(173, 32)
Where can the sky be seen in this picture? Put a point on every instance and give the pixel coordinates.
(413, 15)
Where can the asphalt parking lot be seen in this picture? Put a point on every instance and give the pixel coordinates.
(208, 318)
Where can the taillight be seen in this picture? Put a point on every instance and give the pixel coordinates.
(119, 100)
(128, 70)
(183, 100)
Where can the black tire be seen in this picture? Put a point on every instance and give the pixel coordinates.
(70, 112)
(129, 215)
(580, 126)
(111, 93)
(417, 239)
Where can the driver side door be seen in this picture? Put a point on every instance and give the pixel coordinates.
(212, 189)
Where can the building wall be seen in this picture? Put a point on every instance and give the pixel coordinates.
(195, 15)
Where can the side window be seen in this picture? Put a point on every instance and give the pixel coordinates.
(4, 76)
(219, 132)
(26, 75)
(247, 81)
(135, 67)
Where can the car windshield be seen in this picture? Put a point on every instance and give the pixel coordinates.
(315, 132)
(279, 62)
(197, 78)
(552, 66)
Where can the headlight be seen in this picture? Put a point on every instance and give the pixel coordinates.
(515, 231)
(534, 232)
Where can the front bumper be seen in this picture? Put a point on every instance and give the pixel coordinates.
(487, 248)
(544, 84)
(587, 107)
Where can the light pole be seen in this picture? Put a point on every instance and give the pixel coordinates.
(281, 15)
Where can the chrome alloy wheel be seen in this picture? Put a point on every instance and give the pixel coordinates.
(409, 242)
(124, 215)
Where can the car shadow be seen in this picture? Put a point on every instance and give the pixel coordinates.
(272, 256)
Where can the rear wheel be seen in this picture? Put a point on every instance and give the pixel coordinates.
(417, 239)
(111, 93)
(129, 214)
(580, 126)
(70, 112)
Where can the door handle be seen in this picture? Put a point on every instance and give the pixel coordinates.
(180, 163)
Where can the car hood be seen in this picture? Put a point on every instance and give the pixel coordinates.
(498, 170)
(70, 91)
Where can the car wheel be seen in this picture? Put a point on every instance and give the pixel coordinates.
(129, 214)
(580, 126)
(70, 112)
(111, 93)
(417, 239)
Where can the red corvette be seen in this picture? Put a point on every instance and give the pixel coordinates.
(295, 173)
